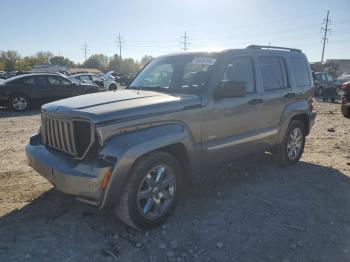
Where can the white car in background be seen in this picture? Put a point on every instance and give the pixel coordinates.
(88, 78)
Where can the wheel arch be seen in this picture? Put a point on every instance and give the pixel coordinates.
(295, 111)
(173, 138)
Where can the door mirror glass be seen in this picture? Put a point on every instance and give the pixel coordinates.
(231, 89)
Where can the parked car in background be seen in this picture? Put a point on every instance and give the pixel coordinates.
(325, 86)
(88, 78)
(345, 99)
(126, 80)
(343, 79)
(19, 92)
(183, 114)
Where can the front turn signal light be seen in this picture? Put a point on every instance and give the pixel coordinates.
(106, 178)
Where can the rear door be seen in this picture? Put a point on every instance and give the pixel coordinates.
(278, 91)
(39, 88)
(232, 125)
(62, 88)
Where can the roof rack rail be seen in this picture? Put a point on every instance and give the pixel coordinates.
(273, 47)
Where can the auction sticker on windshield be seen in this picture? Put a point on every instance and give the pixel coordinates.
(203, 61)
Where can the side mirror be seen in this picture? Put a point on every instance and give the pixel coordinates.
(231, 89)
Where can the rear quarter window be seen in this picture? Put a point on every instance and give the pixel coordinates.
(301, 72)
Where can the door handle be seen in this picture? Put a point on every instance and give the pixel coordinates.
(289, 95)
(256, 101)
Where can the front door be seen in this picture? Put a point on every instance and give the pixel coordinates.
(231, 126)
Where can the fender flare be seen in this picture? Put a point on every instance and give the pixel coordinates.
(128, 147)
(292, 110)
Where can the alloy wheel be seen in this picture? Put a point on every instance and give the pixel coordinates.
(295, 143)
(19, 103)
(156, 192)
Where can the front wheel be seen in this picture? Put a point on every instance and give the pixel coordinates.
(151, 191)
(292, 147)
(19, 102)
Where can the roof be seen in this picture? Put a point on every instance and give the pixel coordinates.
(32, 74)
(251, 48)
(84, 74)
(74, 70)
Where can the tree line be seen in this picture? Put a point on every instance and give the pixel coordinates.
(11, 60)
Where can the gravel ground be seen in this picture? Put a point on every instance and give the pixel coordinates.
(247, 211)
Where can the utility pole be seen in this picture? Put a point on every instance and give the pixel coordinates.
(185, 42)
(85, 49)
(325, 30)
(120, 45)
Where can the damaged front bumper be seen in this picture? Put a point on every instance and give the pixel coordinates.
(81, 178)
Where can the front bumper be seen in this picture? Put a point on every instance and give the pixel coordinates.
(79, 178)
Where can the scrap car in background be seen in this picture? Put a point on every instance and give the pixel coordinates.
(19, 92)
(345, 99)
(325, 86)
(88, 78)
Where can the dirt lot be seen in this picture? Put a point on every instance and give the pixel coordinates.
(251, 211)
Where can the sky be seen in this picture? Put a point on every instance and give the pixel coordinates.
(156, 27)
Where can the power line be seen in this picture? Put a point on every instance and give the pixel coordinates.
(85, 49)
(324, 38)
(185, 42)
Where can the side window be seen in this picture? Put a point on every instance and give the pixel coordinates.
(95, 78)
(60, 81)
(86, 79)
(28, 80)
(40, 80)
(274, 73)
(301, 72)
(330, 78)
(241, 69)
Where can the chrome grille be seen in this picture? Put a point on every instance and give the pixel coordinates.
(58, 134)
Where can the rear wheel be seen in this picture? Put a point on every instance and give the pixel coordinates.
(113, 87)
(151, 191)
(18, 102)
(292, 147)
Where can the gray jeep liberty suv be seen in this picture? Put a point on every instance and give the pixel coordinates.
(131, 150)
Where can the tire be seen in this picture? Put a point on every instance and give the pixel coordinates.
(345, 111)
(18, 102)
(143, 203)
(285, 153)
(112, 87)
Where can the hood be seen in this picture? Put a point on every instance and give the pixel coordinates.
(120, 105)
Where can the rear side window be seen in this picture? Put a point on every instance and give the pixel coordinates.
(28, 80)
(274, 73)
(241, 69)
(301, 72)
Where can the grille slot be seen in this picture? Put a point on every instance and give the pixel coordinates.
(60, 134)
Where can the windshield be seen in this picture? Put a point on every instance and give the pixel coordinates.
(182, 74)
